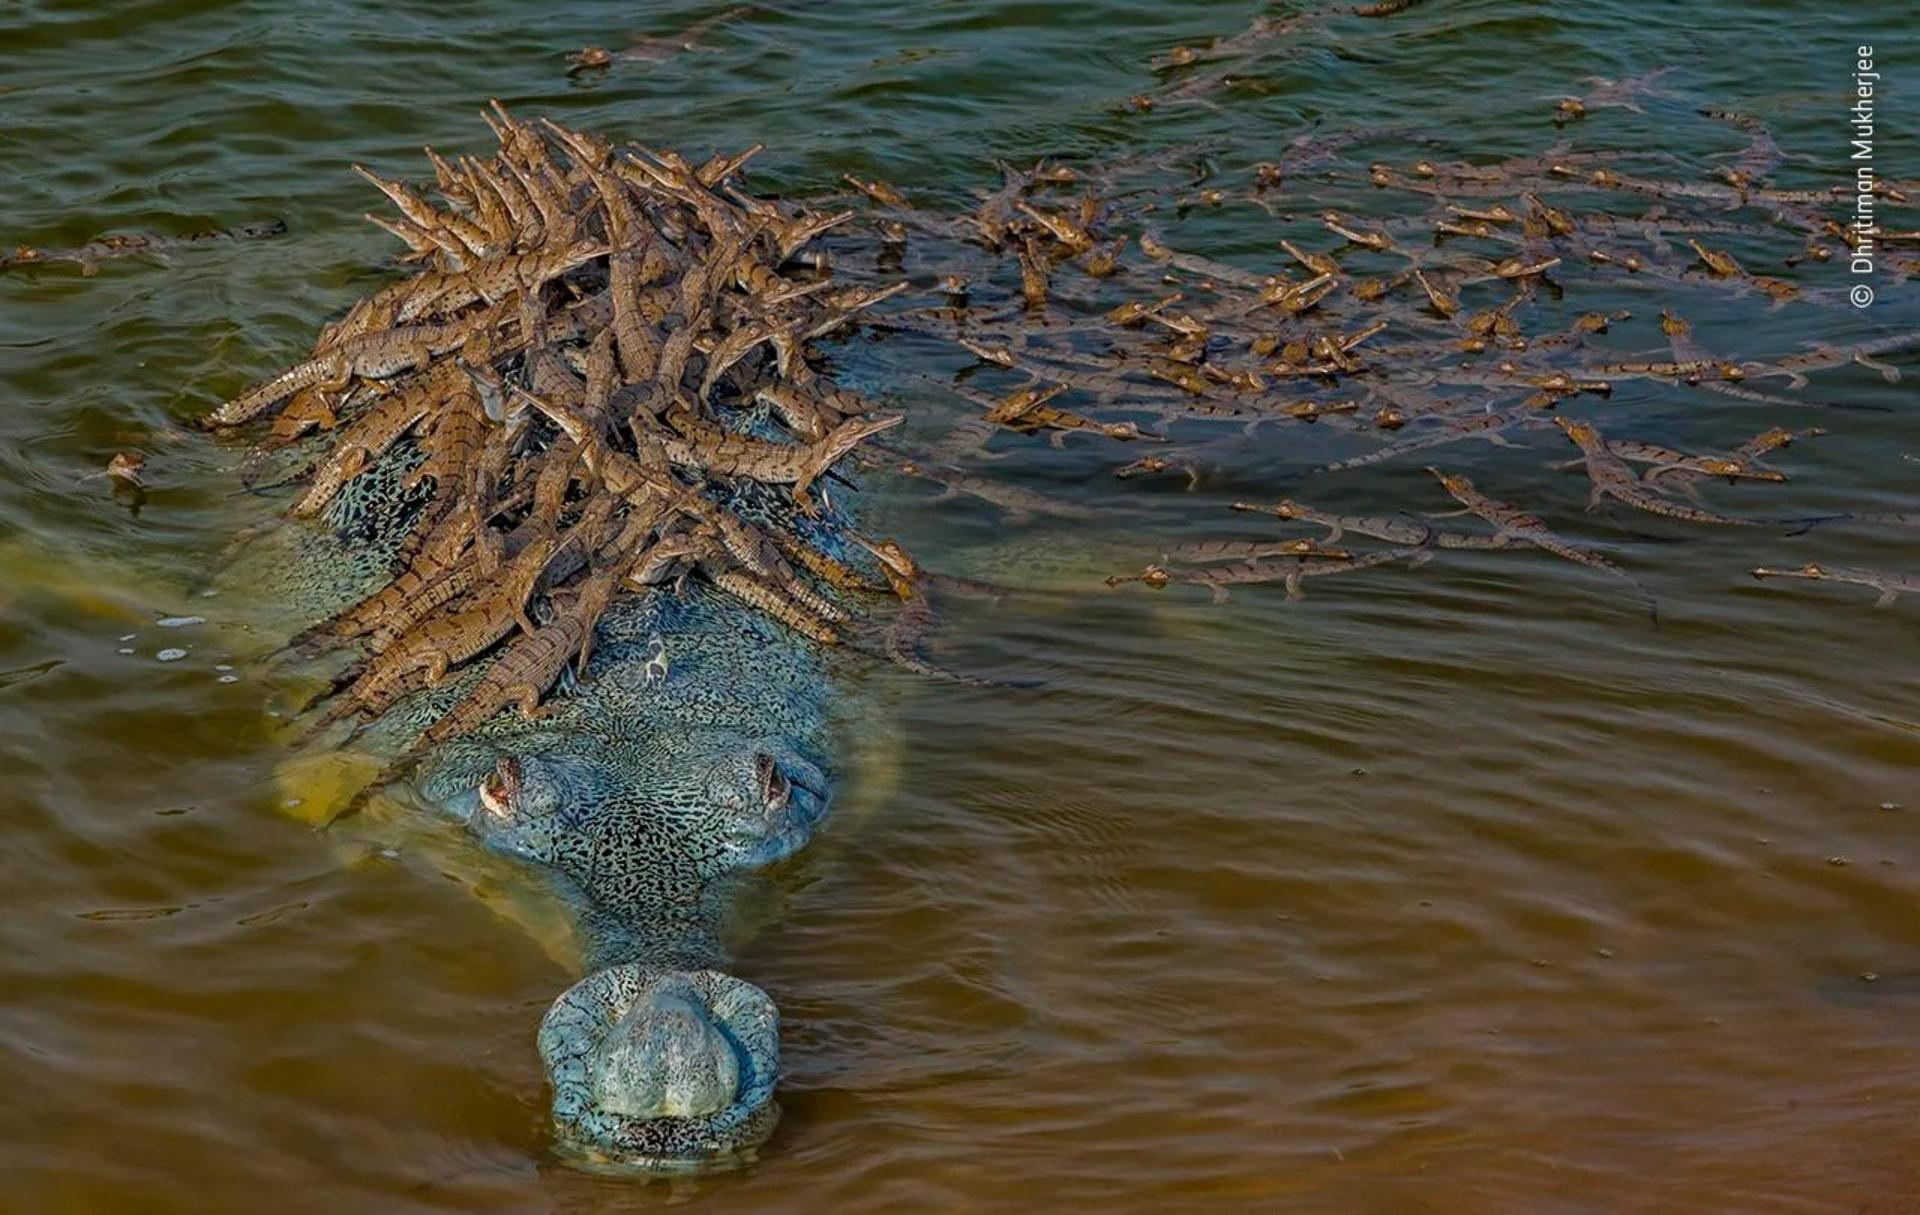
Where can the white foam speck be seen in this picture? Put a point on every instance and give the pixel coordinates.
(179, 622)
(171, 655)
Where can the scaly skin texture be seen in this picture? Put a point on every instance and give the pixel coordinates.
(550, 441)
(1891, 586)
(691, 751)
(376, 356)
(1613, 479)
(659, 1067)
(1396, 531)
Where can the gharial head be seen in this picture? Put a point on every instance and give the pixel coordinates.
(1809, 570)
(1454, 483)
(588, 58)
(890, 553)
(665, 1058)
(661, 1070)
(1578, 431)
(902, 572)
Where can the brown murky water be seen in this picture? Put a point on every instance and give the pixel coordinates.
(1451, 889)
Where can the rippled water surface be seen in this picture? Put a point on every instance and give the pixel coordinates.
(1453, 889)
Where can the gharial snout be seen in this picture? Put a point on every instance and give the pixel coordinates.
(666, 1058)
(662, 1070)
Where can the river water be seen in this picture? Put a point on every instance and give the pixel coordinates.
(1462, 888)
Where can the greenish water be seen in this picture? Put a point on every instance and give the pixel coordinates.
(1457, 889)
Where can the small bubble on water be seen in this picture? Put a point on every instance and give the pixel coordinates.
(1836, 861)
(171, 655)
(1889, 805)
(125, 649)
(129, 636)
(223, 666)
(179, 622)
(229, 679)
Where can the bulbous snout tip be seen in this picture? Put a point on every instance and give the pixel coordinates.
(667, 1058)
(662, 1071)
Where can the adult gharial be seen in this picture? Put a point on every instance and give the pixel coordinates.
(575, 466)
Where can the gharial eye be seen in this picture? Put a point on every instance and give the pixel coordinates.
(775, 789)
(502, 786)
